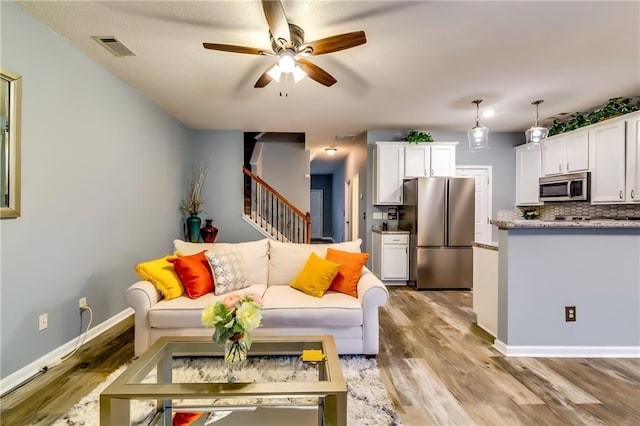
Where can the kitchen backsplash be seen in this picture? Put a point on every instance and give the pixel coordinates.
(549, 211)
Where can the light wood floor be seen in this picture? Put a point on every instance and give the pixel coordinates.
(438, 367)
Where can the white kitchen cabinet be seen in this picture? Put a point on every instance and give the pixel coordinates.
(429, 159)
(576, 152)
(417, 161)
(633, 159)
(388, 173)
(443, 160)
(390, 256)
(395, 161)
(607, 149)
(528, 171)
(552, 157)
(566, 153)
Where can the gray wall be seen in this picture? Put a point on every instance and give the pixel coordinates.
(285, 166)
(222, 151)
(325, 183)
(102, 177)
(536, 283)
(356, 162)
(501, 156)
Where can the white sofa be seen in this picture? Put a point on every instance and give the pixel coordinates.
(272, 265)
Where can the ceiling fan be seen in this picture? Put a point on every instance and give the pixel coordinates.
(287, 43)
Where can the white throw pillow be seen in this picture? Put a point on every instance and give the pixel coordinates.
(229, 271)
(254, 253)
(286, 260)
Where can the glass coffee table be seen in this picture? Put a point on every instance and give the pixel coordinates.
(296, 393)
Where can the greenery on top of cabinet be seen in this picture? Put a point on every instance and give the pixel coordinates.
(415, 136)
(614, 108)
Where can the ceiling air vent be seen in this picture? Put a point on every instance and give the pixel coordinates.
(345, 137)
(113, 45)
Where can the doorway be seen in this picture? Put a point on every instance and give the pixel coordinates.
(347, 210)
(355, 206)
(316, 206)
(482, 175)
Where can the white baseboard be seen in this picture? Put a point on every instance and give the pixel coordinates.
(567, 351)
(26, 372)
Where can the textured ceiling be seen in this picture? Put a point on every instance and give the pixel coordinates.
(422, 65)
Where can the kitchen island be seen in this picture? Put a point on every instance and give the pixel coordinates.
(546, 266)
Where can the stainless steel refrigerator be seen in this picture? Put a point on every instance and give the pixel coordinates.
(439, 213)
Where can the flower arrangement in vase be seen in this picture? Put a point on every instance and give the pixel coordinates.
(233, 319)
(194, 203)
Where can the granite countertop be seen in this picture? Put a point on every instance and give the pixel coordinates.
(489, 246)
(391, 230)
(584, 224)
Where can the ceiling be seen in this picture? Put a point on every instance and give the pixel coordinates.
(423, 63)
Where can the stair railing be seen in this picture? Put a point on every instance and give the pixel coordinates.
(272, 212)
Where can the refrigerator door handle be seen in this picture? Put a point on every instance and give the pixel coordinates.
(446, 213)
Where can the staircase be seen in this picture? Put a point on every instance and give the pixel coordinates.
(273, 213)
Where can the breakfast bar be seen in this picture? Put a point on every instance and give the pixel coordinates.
(546, 268)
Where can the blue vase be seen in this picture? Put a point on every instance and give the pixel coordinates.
(193, 228)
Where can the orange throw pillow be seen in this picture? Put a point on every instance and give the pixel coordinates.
(350, 269)
(195, 274)
(186, 419)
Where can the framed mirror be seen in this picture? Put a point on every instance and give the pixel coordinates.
(10, 125)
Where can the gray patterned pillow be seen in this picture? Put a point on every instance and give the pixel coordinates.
(229, 271)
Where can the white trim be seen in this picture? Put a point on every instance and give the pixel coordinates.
(26, 372)
(568, 351)
(256, 227)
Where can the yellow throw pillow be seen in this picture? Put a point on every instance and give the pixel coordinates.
(316, 276)
(162, 275)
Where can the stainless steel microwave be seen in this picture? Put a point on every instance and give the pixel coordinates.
(570, 187)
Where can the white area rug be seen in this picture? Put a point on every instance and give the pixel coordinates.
(367, 403)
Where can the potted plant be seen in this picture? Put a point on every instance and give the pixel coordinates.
(416, 136)
(193, 203)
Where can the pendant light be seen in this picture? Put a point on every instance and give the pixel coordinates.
(536, 132)
(478, 135)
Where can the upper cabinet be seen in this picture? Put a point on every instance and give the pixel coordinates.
(608, 159)
(388, 172)
(429, 159)
(528, 171)
(633, 159)
(566, 153)
(395, 161)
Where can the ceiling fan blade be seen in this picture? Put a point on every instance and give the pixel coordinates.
(236, 49)
(277, 21)
(264, 79)
(316, 73)
(336, 43)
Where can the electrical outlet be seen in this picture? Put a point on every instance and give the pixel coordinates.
(43, 322)
(569, 313)
(83, 302)
(377, 215)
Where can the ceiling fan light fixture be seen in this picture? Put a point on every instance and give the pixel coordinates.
(536, 133)
(478, 135)
(275, 73)
(331, 150)
(298, 74)
(287, 63)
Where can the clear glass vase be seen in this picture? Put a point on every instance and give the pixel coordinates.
(235, 350)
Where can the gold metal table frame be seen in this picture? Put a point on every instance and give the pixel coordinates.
(330, 389)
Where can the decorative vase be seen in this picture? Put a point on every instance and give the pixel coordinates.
(193, 228)
(235, 350)
(209, 232)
